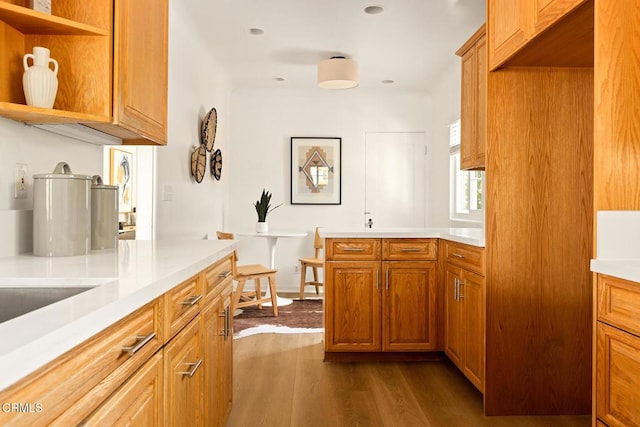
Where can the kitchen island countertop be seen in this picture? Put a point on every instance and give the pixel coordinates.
(470, 236)
(125, 279)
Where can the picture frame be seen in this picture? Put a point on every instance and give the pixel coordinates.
(316, 170)
(121, 174)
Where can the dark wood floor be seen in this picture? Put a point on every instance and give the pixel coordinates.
(280, 380)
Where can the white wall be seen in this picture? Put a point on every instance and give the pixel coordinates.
(264, 120)
(185, 209)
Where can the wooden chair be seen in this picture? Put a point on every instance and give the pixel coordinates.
(314, 263)
(255, 272)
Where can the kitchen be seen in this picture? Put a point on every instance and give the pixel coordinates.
(214, 203)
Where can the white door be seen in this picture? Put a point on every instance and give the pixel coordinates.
(395, 179)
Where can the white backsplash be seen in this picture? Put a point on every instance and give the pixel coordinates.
(618, 235)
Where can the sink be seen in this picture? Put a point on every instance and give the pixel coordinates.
(16, 301)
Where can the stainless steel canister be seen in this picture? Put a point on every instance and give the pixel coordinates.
(61, 213)
(104, 214)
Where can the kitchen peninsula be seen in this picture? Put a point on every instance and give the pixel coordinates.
(403, 294)
(153, 307)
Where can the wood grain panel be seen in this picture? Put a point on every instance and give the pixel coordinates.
(472, 295)
(409, 249)
(469, 257)
(408, 306)
(539, 242)
(179, 310)
(139, 403)
(353, 249)
(352, 306)
(617, 378)
(12, 43)
(617, 101)
(619, 303)
(507, 29)
(549, 12)
(74, 384)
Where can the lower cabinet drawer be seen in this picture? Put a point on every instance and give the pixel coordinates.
(619, 303)
(89, 373)
(216, 275)
(182, 304)
(353, 249)
(465, 256)
(138, 402)
(617, 376)
(410, 249)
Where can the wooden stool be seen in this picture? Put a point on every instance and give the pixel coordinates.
(314, 263)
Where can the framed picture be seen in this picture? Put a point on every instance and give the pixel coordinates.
(316, 171)
(121, 174)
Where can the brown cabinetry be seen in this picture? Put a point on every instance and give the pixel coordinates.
(617, 358)
(112, 59)
(540, 32)
(464, 322)
(473, 114)
(380, 295)
(167, 363)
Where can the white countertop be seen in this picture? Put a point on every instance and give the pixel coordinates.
(470, 236)
(125, 279)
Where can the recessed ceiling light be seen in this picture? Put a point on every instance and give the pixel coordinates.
(256, 31)
(388, 81)
(373, 10)
(279, 79)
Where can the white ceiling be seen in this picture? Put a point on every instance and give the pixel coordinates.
(412, 42)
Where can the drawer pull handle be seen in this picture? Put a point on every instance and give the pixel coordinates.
(457, 255)
(224, 274)
(194, 367)
(192, 300)
(354, 249)
(411, 250)
(141, 341)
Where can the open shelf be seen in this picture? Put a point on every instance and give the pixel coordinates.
(37, 115)
(28, 21)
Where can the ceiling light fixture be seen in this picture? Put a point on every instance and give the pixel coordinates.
(337, 73)
(373, 10)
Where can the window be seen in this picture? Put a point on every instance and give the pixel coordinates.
(467, 195)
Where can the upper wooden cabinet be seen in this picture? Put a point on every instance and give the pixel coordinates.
(473, 114)
(112, 60)
(540, 33)
(140, 76)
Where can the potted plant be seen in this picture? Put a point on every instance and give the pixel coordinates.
(263, 207)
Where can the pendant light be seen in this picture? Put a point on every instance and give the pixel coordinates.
(337, 73)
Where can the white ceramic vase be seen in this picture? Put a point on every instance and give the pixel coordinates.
(262, 227)
(39, 81)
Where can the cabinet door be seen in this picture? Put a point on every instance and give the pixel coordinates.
(352, 306)
(548, 12)
(481, 103)
(183, 376)
(508, 25)
(137, 403)
(471, 297)
(224, 363)
(140, 67)
(453, 334)
(617, 376)
(469, 108)
(408, 306)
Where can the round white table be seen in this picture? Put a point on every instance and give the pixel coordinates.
(272, 240)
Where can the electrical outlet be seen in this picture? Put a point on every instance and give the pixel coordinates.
(20, 181)
(297, 268)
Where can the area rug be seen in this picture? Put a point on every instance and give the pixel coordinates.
(299, 317)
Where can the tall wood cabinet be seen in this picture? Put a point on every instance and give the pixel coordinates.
(465, 309)
(473, 114)
(380, 295)
(112, 59)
